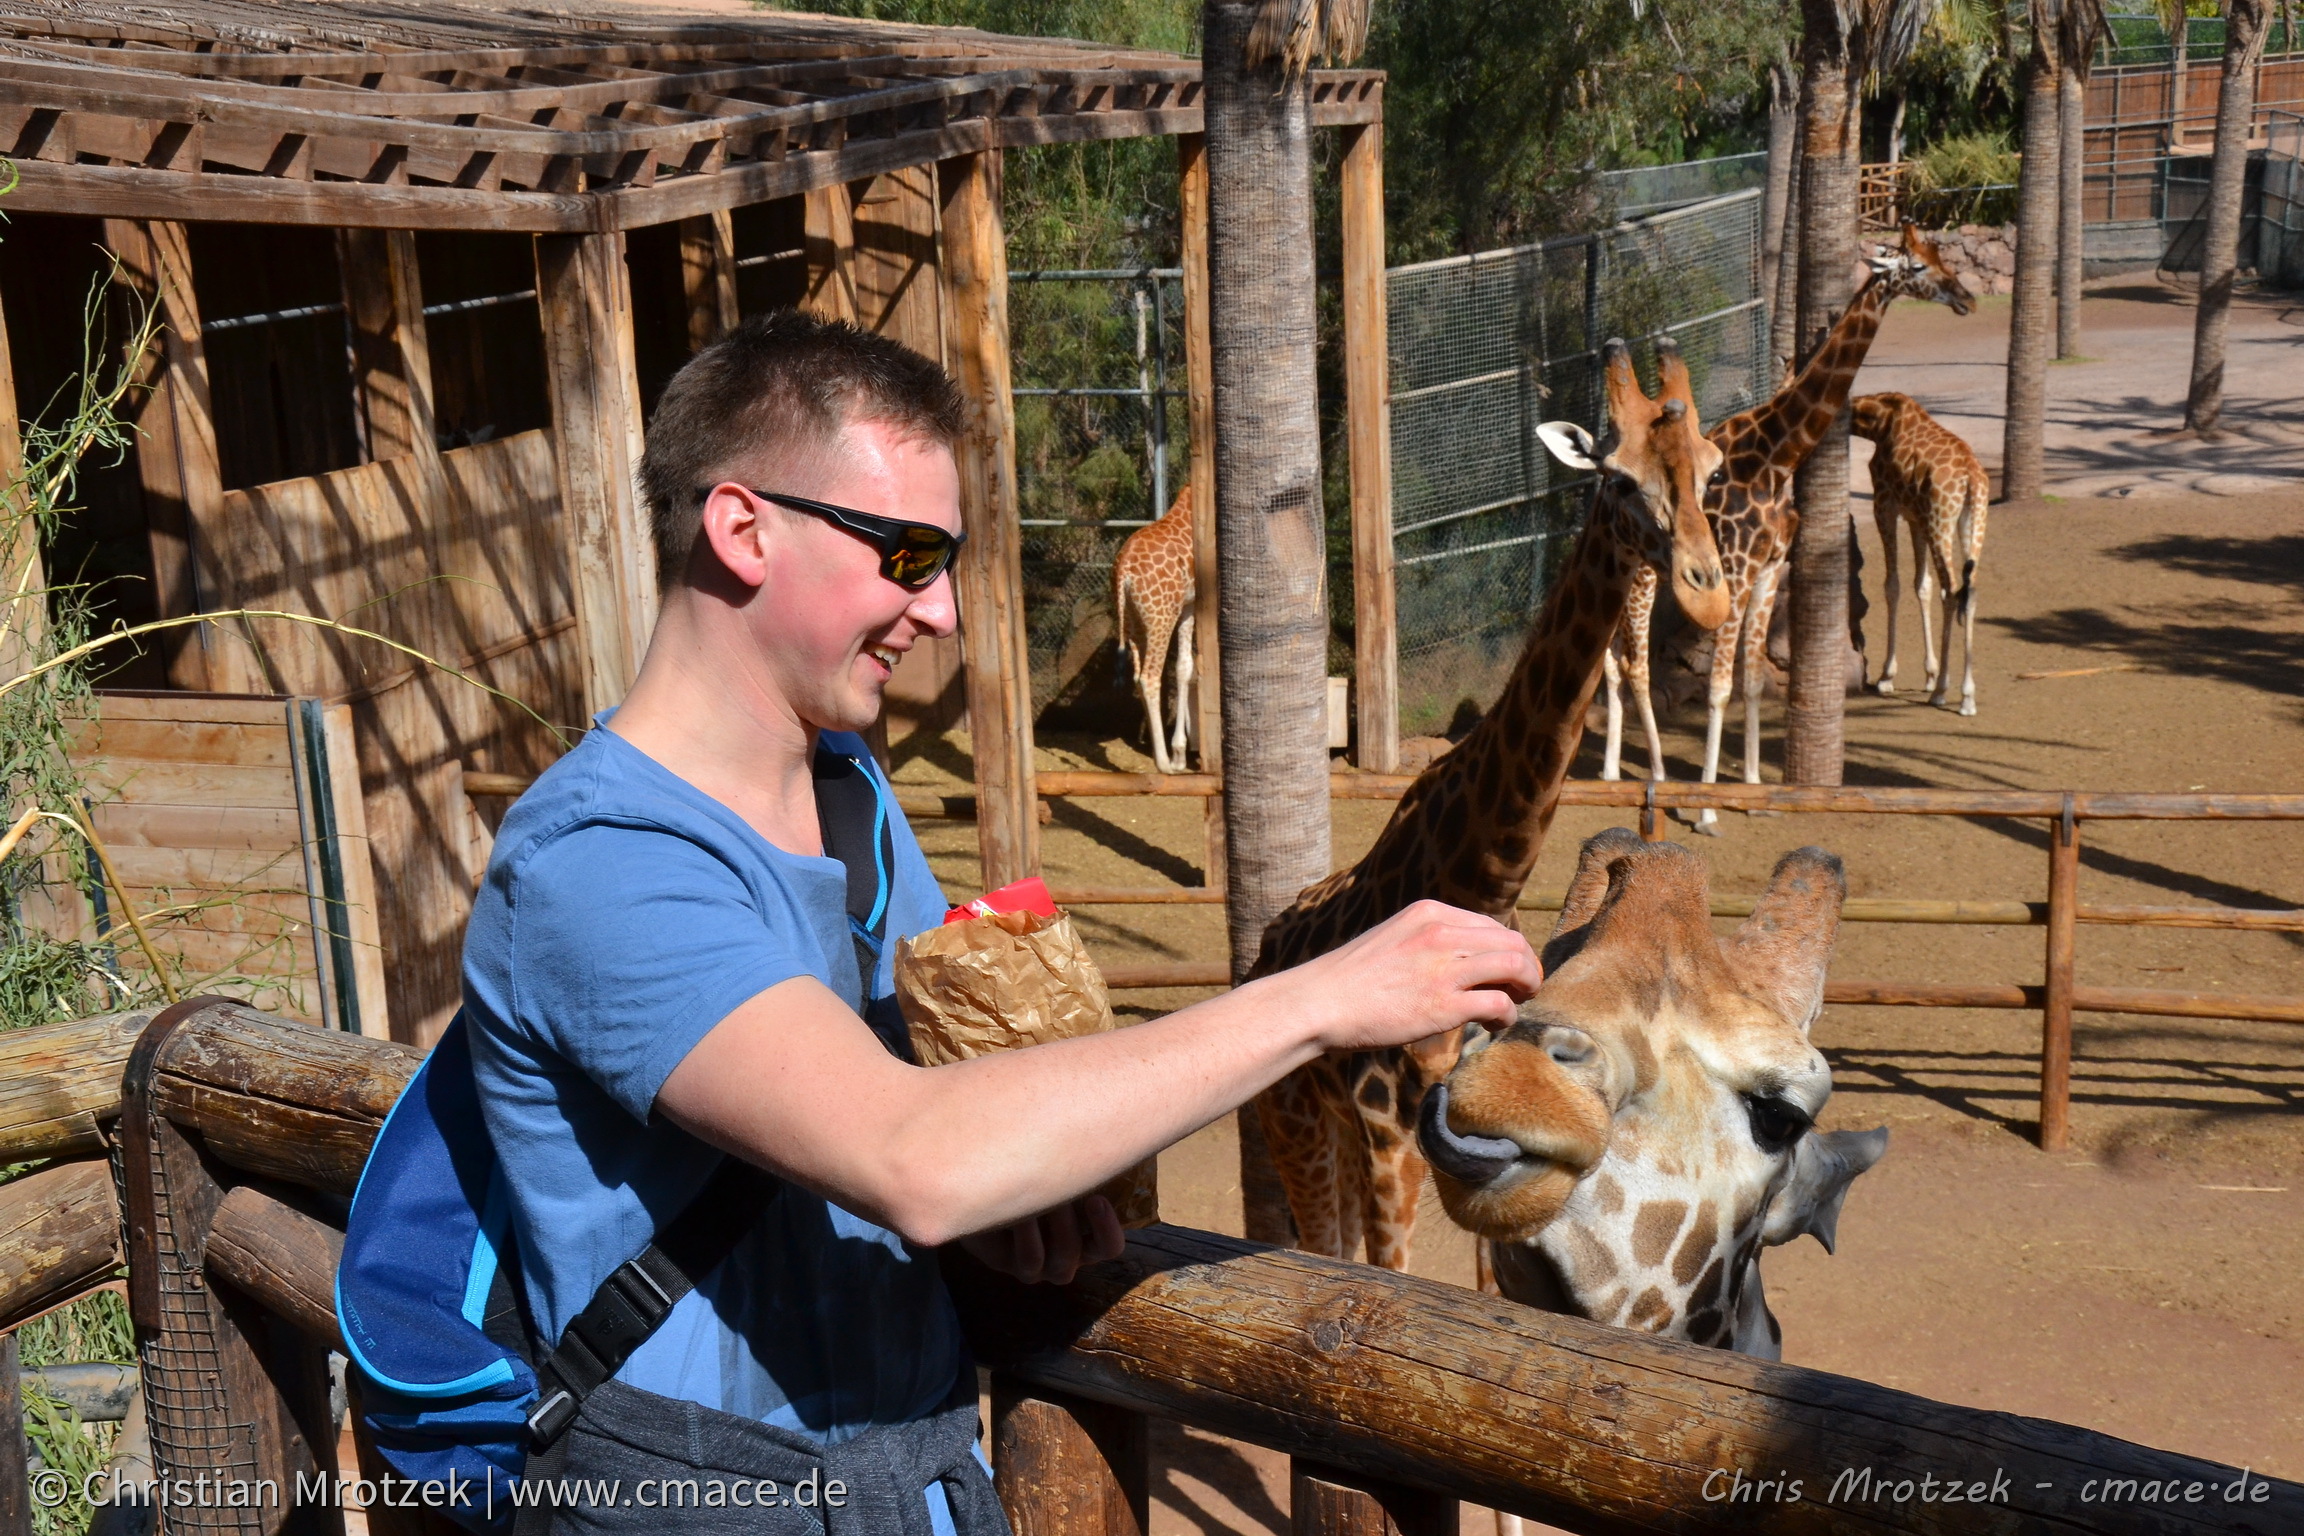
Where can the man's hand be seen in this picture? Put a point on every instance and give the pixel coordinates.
(1050, 1248)
(1426, 970)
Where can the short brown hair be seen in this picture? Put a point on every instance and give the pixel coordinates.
(783, 382)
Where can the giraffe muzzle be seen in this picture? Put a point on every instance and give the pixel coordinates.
(1472, 1161)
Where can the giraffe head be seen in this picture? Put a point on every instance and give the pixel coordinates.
(1646, 1127)
(1915, 270)
(1656, 464)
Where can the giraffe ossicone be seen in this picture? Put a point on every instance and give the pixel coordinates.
(1645, 1129)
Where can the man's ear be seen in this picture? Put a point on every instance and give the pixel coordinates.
(733, 536)
(1570, 444)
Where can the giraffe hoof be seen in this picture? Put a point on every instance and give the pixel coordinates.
(1884, 688)
(1967, 706)
(1708, 828)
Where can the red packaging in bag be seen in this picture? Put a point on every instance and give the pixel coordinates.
(1026, 895)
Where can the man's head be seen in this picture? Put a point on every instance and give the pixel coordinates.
(792, 406)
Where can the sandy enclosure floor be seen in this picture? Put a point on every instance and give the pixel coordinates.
(2145, 1284)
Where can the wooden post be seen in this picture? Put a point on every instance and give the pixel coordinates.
(894, 260)
(1064, 1466)
(708, 276)
(15, 1455)
(21, 568)
(829, 237)
(176, 459)
(585, 299)
(989, 575)
(1200, 418)
(391, 357)
(1368, 413)
(1330, 1501)
(2056, 1009)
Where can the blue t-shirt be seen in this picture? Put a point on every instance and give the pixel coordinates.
(624, 914)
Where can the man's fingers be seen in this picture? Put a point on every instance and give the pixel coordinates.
(1062, 1235)
(1105, 1239)
(1029, 1254)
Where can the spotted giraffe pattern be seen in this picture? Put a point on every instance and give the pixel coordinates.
(1152, 595)
(1646, 1126)
(1468, 830)
(1753, 517)
(1927, 479)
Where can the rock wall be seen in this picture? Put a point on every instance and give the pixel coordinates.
(1983, 255)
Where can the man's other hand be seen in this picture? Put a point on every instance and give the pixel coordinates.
(1050, 1248)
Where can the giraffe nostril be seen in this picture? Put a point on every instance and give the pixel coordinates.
(1569, 1046)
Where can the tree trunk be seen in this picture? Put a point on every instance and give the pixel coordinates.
(1784, 287)
(1270, 536)
(2032, 322)
(2245, 24)
(1783, 155)
(2072, 99)
(1813, 744)
(1896, 127)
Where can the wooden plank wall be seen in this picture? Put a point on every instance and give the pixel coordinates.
(204, 802)
(465, 563)
(2136, 114)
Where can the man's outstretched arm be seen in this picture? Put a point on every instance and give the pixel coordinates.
(794, 1081)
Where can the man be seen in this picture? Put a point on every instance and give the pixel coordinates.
(663, 971)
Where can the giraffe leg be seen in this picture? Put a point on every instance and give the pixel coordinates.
(1755, 664)
(1949, 601)
(1386, 1094)
(1300, 1128)
(1885, 519)
(1148, 686)
(1971, 544)
(1636, 677)
(1968, 652)
(1186, 723)
(1718, 687)
(1612, 755)
(1924, 590)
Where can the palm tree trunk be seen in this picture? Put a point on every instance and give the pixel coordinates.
(2072, 103)
(1783, 156)
(1270, 535)
(2032, 322)
(1813, 743)
(2245, 25)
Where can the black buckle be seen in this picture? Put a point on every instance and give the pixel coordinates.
(623, 1314)
(550, 1418)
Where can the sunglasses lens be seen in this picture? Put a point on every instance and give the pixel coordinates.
(921, 557)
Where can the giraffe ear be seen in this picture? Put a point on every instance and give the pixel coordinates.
(1784, 948)
(1570, 444)
(1587, 893)
(1824, 1164)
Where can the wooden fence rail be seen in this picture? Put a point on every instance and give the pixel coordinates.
(1397, 1396)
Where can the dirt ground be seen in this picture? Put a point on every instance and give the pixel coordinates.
(2147, 1283)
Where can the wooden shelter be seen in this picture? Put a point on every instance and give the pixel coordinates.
(375, 430)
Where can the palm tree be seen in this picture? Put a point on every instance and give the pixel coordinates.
(2032, 320)
(1270, 533)
(1842, 41)
(2084, 24)
(1776, 216)
(2245, 24)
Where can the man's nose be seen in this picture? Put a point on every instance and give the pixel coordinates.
(935, 610)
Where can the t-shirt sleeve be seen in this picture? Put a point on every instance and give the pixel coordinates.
(629, 943)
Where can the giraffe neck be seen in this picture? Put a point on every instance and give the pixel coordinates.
(1795, 421)
(1488, 803)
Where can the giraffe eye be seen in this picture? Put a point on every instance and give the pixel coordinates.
(1776, 1124)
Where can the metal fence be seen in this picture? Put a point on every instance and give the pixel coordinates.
(1486, 347)
(1649, 189)
(2280, 208)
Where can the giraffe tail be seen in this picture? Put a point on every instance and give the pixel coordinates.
(1970, 506)
(1123, 660)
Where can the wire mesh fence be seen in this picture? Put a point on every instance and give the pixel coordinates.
(2280, 211)
(1486, 347)
(1646, 189)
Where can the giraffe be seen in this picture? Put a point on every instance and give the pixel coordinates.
(1468, 830)
(1928, 479)
(1631, 1143)
(1753, 518)
(1152, 593)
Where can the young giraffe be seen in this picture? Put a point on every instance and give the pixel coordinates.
(1342, 1130)
(1754, 519)
(1152, 592)
(1646, 1127)
(1928, 479)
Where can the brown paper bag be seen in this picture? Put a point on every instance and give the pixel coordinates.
(1007, 980)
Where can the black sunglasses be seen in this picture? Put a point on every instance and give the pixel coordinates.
(912, 555)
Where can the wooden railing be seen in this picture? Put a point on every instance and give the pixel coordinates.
(1396, 1396)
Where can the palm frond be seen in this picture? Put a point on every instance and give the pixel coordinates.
(2085, 22)
(1293, 33)
(1883, 33)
